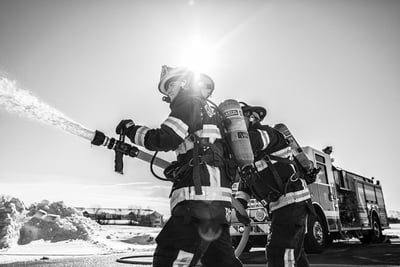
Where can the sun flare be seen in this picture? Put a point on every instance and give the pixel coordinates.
(199, 55)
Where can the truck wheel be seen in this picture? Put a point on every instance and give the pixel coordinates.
(375, 234)
(316, 238)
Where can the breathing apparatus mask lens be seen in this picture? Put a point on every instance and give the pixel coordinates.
(252, 116)
(255, 117)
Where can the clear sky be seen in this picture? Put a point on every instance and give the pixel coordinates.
(330, 70)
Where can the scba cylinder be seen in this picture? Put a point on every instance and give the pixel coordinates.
(237, 132)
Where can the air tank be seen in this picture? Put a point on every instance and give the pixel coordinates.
(237, 132)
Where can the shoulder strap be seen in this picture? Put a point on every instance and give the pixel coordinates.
(275, 174)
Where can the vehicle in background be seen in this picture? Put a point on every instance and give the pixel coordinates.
(347, 205)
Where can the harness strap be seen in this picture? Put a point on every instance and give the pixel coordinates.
(201, 249)
(196, 167)
(275, 174)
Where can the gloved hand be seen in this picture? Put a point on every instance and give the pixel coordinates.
(238, 217)
(124, 126)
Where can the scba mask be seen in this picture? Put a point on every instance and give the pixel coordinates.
(173, 80)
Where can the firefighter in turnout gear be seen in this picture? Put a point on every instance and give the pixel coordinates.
(201, 195)
(276, 183)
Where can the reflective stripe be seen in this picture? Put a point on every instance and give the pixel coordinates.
(283, 153)
(331, 213)
(242, 195)
(290, 198)
(178, 126)
(183, 259)
(288, 258)
(185, 146)
(262, 164)
(265, 138)
(140, 135)
(215, 176)
(303, 182)
(209, 193)
(210, 131)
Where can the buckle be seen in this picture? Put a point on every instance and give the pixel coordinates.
(264, 203)
(191, 164)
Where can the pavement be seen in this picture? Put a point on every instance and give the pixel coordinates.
(341, 254)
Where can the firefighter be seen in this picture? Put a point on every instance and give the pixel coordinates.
(201, 195)
(279, 187)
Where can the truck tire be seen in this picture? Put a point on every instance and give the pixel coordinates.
(375, 234)
(317, 237)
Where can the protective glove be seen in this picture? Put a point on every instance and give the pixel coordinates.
(124, 127)
(239, 213)
(238, 217)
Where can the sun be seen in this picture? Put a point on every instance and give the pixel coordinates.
(199, 55)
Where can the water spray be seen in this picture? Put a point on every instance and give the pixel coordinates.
(23, 103)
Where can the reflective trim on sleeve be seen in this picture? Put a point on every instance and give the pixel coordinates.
(178, 126)
(290, 198)
(242, 195)
(265, 138)
(209, 193)
(283, 153)
(140, 135)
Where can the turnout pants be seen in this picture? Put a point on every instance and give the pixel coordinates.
(286, 238)
(180, 239)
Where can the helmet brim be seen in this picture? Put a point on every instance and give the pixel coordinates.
(176, 75)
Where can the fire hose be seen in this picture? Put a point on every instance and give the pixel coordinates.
(121, 149)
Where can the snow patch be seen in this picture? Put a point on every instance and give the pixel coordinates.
(41, 221)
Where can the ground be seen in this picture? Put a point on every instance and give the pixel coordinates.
(110, 239)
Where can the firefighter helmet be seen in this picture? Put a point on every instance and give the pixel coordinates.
(255, 111)
(189, 80)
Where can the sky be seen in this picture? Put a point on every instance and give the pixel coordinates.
(330, 70)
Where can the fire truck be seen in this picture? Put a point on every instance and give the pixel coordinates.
(348, 205)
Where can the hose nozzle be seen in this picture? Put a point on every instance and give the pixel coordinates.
(100, 139)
